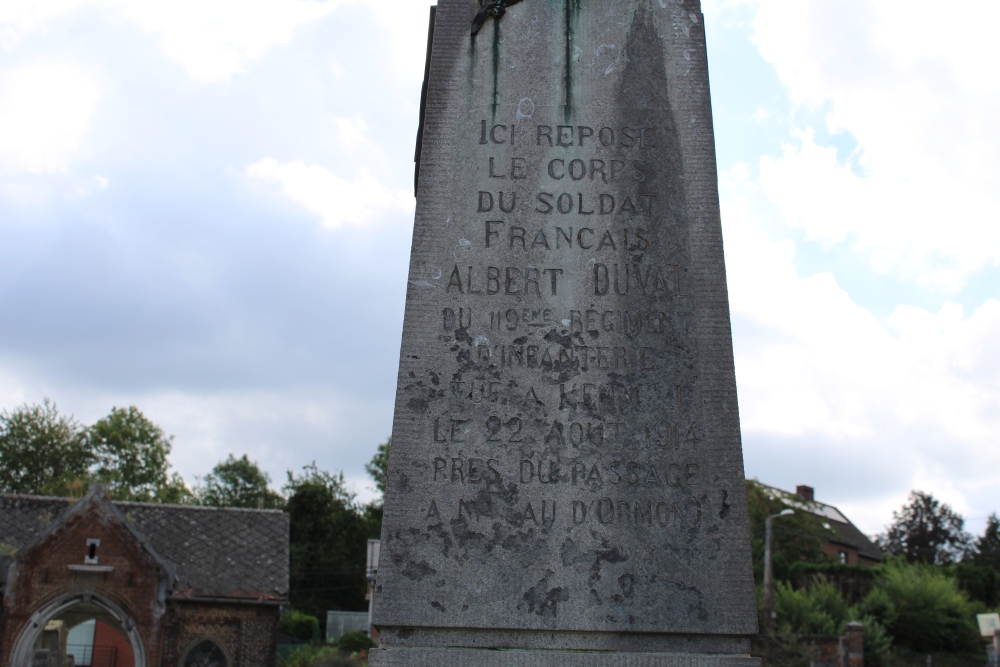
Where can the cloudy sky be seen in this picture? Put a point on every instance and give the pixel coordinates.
(206, 209)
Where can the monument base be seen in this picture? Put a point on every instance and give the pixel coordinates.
(465, 657)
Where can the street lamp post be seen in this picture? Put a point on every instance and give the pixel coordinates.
(769, 574)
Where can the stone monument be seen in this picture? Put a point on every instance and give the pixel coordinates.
(566, 480)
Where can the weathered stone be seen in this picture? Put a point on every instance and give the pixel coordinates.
(426, 657)
(566, 470)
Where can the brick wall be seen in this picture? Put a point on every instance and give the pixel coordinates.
(44, 576)
(247, 633)
(55, 568)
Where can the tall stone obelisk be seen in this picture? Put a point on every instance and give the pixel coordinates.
(566, 479)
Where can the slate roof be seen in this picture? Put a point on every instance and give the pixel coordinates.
(833, 518)
(216, 552)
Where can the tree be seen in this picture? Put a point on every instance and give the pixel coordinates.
(925, 530)
(378, 468)
(797, 538)
(979, 572)
(327, 543)
(238, 482)
(131, 453)
(43, 452)
(986, 550)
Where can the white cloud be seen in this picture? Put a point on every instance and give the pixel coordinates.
(920, 99)
(18, 17)
(926, 227)
(359, 201)
(45, 109)
(350, 133)
(280, 430)
(215, 39)
(919, 391)
(212, 39)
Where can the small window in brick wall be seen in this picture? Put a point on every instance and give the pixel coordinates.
(92, 546)
(843, 557)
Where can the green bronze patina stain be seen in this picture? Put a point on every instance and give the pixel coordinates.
(473, 59)
(572, 15)
(496, 68)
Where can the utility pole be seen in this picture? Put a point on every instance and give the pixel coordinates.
(769, 574)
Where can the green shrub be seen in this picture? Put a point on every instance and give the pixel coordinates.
(879, 606)
(355, 642)
(980, 581)
(816, 610)
(853, 581)
(923, 609)
(299, 625)
(319, 656)
(878, 643)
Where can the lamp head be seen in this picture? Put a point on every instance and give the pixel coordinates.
(786, 512)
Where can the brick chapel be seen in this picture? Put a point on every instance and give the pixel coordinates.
(117, 584)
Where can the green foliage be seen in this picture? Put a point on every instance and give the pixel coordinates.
(174, 492)
(238, 482)
(797, 538)
(878, 606)
(355, 642)
(925, 530)
(378, 468)
(853, 581)
(816, 610)
(131, 454)
(43, 452)
(923, 609)
(820, 609)
(981, 582)
(299, 625)
(986, 550)
(373, 520)
(319, 656)
(328, 542)
(830, 568)
(979, 574)
(878, 643)
(913, 607)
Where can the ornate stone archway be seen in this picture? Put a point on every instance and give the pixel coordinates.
(24, 647)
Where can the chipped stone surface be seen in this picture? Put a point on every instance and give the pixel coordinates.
(566, 450)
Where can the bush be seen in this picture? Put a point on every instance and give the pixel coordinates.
(878, 606)
(878, 643)
(319, 656)
(924, 610)
(355, 642)
(853, 581)
(299, 625)
(980, 581)
(816, 610)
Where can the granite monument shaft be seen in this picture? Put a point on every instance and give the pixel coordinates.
(566, 479)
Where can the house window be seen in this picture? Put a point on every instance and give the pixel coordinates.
(91, 557)
(843, 557)
(206, 653)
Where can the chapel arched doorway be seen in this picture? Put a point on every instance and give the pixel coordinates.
(54, 634)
